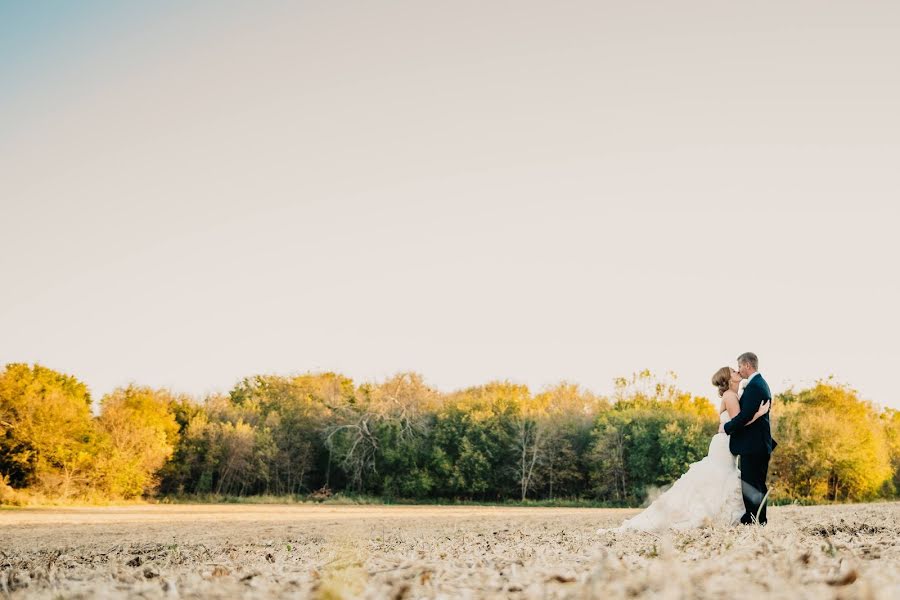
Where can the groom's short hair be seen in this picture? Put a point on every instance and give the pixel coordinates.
(750, 359)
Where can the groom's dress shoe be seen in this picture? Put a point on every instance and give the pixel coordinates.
(748, 519)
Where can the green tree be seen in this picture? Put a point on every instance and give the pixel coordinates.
(608, 467)
(649, 437)
(569, 413)
(291, 415)
(475, 450)
(891, 420)
(192, 468)
(406, 406)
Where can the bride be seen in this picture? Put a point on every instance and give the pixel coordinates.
(710, 491)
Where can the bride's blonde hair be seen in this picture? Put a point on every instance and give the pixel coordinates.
(722, 380)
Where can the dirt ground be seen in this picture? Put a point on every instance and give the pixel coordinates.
(322, 551)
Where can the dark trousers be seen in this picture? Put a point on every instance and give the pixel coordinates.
(754, 468)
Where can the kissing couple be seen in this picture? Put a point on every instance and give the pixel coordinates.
(728, 485)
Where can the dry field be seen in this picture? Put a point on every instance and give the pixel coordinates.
(256, 551)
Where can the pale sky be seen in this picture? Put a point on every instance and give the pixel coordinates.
(534, 191)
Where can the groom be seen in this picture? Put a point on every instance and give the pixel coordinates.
(753, 443)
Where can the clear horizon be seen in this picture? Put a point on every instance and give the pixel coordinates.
(474, 192)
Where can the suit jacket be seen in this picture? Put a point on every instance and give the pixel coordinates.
(755, 438)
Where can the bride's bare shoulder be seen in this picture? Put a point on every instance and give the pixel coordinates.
(729, 395)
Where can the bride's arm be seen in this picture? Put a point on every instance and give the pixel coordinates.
(731, 404)
(763, 409)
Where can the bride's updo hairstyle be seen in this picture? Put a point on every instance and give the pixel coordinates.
(722, 379)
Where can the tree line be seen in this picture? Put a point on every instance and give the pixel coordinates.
(315, 434)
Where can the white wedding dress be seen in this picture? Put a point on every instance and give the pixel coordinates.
(708, 493)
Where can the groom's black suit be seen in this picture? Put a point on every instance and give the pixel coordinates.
(753, 443)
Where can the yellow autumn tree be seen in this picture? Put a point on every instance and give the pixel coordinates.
(47, 436)
(140, 436)
(831, 445)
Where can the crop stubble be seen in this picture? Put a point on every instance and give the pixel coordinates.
(187, 551)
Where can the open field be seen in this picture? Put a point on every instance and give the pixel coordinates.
(275, 551)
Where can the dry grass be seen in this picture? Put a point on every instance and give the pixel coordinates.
(440, 552)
